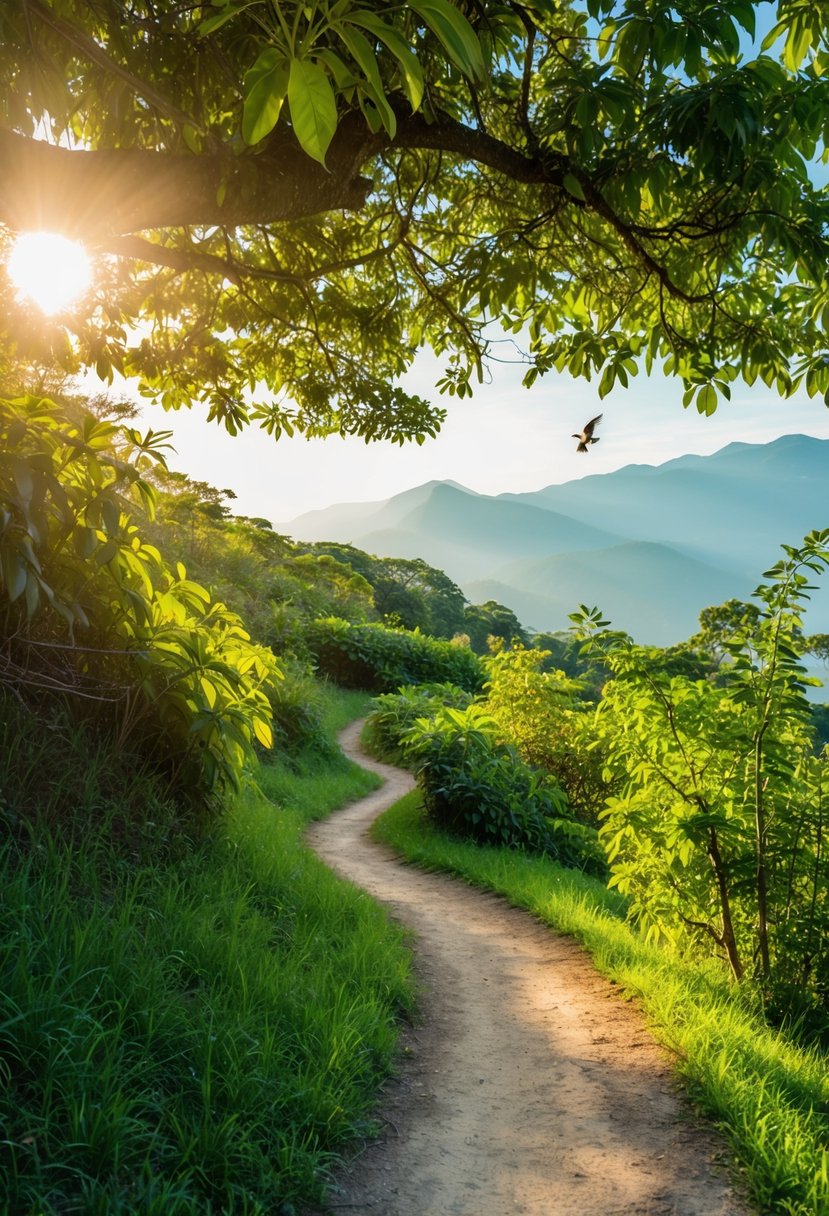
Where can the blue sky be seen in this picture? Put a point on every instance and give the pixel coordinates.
(506, 438)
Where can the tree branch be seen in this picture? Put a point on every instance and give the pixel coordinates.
(97, 194)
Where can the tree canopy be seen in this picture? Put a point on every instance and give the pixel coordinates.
(289, 199)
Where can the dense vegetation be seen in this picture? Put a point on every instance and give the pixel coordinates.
(701, 766)
(292, 197)
(618, 186)
(190, 1022)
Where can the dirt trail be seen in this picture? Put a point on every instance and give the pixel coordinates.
(529, 1086)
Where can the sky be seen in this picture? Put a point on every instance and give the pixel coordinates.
(505, 439)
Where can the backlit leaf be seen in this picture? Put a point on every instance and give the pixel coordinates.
(313, 108)
(454, 33)
(267, 85)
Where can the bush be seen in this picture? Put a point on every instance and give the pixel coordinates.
(394, 714)
(482, 790)
(380, 659)
(296, 707)
(544, 716)
(91, 615)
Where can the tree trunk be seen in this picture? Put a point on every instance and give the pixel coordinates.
(729, 939)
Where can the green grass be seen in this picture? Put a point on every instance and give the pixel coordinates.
(198, 1027)
(770, 1095)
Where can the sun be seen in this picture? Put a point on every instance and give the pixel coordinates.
(49, 269)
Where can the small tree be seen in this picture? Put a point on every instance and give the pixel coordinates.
(718, 832)
(544, 716)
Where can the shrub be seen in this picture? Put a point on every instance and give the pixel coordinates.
(480, 789)
(296, 706)
(380, 659)
(544, 716)
(90, 614)
(394, 714)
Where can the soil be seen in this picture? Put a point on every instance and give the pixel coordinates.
(529, 1086)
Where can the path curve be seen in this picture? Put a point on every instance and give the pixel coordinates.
(529, 1087)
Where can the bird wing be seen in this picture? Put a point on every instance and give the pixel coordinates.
(588, 430)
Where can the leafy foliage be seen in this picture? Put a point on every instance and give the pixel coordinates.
(302, 195)
(274, 584)
(89, 610)
(478, 788)
(394, 714)
(544, 716)
(380, 659)
(718, 834)
(491, 620)
(407, 591)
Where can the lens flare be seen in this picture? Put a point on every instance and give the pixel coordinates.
(50, 270)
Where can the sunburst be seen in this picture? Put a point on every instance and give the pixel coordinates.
(50, 270)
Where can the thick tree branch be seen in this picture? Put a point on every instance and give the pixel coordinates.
(117, 191)
(141, 250)
(445, 134)
(108, 194)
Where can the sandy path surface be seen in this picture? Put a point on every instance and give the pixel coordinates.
(529, 1087)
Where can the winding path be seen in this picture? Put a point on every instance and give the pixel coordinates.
(529, 1087)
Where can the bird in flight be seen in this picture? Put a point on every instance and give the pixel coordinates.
(586, 437)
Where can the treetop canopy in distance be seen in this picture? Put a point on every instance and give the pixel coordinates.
(289, 199)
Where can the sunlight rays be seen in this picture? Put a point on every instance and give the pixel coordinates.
(50, 270)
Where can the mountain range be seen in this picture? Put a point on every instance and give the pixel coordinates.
(649, 545)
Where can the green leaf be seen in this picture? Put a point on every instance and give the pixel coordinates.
(313, 108)
(218, 19)
(454, 33)
(263, 732)
(343, 76)
(111, 514)
(32, 594)
(411, 71)
(707, 400)
(85, 541)
(191, 138)
(361, 51)
(573, 186)
(14, 573)
(267, 86)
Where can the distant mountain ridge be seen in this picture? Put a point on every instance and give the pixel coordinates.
(650, 544)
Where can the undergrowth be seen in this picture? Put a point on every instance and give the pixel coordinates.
(769, 1094)
(190, 1029)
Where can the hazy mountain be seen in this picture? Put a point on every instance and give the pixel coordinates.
(346, 519)
(465, 534)
(736, 506)
(650, 545)
(650, 590)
